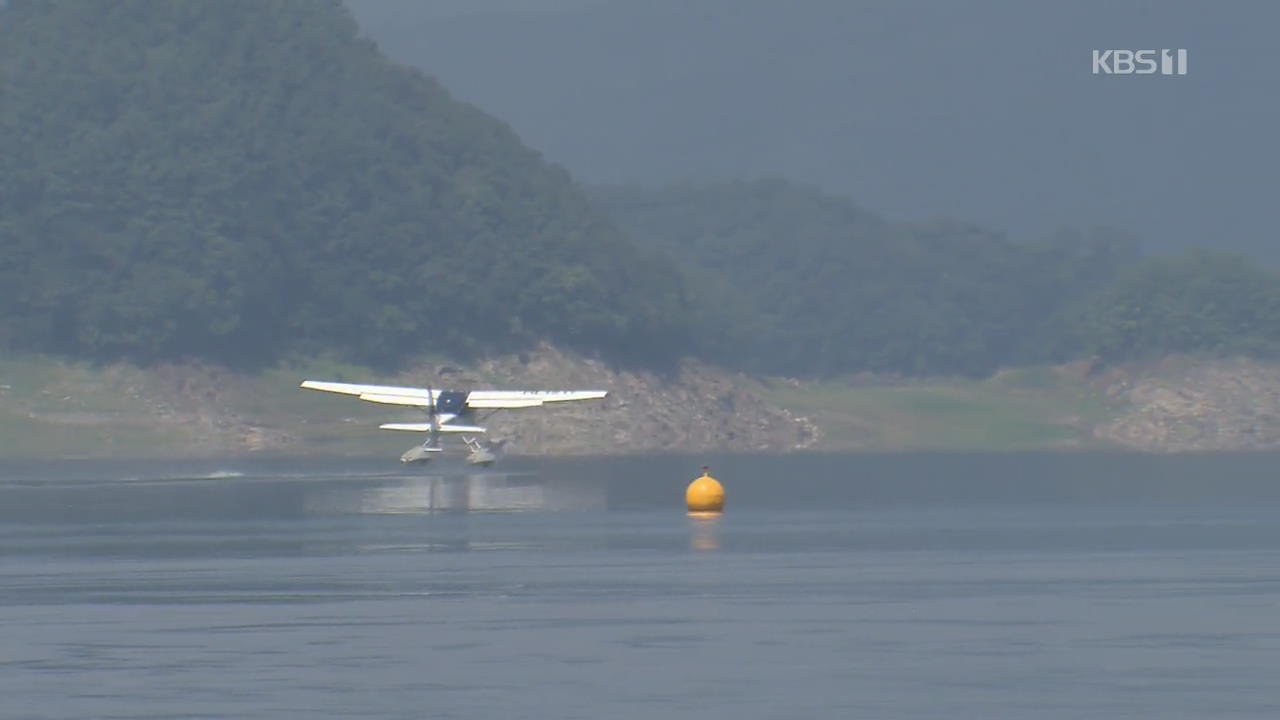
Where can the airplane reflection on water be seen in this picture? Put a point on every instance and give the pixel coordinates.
(475, 492)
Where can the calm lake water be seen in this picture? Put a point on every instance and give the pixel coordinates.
(1017, 586)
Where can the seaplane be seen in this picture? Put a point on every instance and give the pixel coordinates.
(450, 412)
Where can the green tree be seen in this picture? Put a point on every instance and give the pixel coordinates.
(789, 279)
(1199, 302)
(243, 179)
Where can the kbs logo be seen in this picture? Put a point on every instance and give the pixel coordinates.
(1140, 62)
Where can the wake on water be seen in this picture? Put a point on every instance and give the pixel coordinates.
(92, 473)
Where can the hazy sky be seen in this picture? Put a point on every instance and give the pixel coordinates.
(984, 110)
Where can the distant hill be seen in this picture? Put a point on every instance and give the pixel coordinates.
(788, 279)
(244, 179)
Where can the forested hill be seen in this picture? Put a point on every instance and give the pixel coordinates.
(243, 179)
(792, 280)
(247, 180)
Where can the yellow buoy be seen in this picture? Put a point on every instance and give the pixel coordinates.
(705, 494)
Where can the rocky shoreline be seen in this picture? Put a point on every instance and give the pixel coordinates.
(696, 408)
(1193, 405)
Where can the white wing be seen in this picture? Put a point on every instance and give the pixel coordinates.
(387, 394)
(478, 399)
(511, 399)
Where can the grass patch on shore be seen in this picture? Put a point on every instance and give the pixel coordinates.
(1025, 409)
(56, 408)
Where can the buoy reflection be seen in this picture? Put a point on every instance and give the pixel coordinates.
(704, 531)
